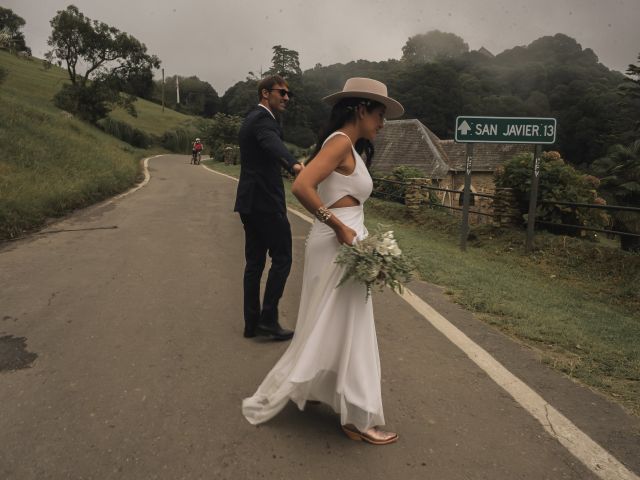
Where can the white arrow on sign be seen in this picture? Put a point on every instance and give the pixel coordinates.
(464, 128)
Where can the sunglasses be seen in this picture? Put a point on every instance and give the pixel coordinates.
(283, 92)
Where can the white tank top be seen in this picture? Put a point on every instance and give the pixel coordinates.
(336, 186)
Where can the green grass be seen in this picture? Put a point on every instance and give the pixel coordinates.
(151, 119)
(51, 163)
(576, 302)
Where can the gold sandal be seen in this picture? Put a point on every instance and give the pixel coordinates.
(354, 434)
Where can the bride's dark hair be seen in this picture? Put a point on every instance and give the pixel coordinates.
(342, 113)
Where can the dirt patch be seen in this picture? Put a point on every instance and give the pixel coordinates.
(14, 354)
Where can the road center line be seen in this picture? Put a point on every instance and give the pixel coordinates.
(590, 453)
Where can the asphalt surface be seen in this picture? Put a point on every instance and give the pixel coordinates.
(122, 357)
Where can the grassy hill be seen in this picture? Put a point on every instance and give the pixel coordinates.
(52, 163)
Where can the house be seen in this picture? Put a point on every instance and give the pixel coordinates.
(410, 143)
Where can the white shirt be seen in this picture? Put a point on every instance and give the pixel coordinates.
(267, 109)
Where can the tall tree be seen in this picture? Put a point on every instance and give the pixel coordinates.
(10, 26)
(78, 41)
(634, 72)
(620, 184)
(285, 62)
(101, 61)
(631, 92)
(433, 45)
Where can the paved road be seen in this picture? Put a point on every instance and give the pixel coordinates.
(137, 365)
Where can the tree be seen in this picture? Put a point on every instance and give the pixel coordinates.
(285, 62)
(106, 51)
(114, 59)
(631, 92)
(433, 45)
(197, 97)
(11, 37)
(634, 72)
(620, 184)
(222, 131)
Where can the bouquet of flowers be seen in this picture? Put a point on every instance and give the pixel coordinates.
(376, 260)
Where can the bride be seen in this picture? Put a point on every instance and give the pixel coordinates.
(333, 357)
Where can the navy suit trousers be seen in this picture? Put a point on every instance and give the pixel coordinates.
(265, 233)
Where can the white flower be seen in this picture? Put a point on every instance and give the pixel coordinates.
(388, 246)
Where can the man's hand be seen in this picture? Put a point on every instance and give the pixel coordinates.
(297, 168)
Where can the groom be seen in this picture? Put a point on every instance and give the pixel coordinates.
(261, 203)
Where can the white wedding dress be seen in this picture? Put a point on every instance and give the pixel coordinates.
(333, 356)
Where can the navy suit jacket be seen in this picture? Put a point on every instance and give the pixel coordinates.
(262, 155)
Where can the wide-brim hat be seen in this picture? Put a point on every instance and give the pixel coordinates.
(369, 89)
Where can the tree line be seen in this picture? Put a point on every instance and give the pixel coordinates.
(437, 78)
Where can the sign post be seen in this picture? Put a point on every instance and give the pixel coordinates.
(466, 199)
(480, 129)
(533, 198)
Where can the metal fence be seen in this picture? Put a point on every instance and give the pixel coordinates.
(575, 206)
(396, 190)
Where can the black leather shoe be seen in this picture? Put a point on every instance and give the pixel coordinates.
(249, 333)
(275, 331)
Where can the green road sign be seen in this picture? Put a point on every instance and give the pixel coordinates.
(505, 130)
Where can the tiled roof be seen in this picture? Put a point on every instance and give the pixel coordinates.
(487, 157)
(410, 143)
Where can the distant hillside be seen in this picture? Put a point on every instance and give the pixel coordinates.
(553, 76)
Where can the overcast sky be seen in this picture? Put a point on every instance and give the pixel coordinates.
(220, 41)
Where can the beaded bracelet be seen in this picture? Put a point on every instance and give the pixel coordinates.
(323, 214)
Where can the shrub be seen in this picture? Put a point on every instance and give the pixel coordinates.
(178, 140)
(558, 181)
(88, 103)
(126, 133)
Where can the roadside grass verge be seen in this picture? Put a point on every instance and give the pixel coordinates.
(575, 302)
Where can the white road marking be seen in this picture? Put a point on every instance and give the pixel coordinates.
(147, 177)
(596, 458)
(591, 454)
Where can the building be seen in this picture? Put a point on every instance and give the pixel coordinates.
(410, 143)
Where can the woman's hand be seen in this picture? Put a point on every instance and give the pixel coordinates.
(346, 235)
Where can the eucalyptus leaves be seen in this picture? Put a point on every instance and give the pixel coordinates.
(376, 260)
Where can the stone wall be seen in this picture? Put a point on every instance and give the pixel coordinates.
(505, 208)
(416, 197)
(231, 155)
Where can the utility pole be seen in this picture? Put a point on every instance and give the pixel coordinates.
(163, 90)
